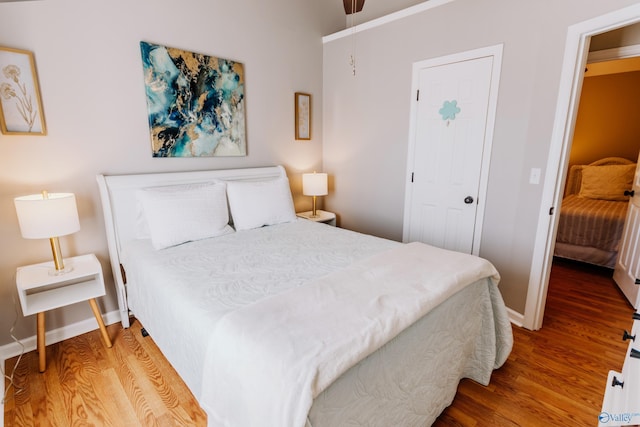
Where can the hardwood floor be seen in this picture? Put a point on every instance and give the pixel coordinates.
(86, 384)
(553, 377)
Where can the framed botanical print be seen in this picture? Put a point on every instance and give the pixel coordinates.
(20, 103)
(303, 115)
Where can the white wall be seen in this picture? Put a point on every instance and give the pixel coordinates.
(366, 118)
(89, 68)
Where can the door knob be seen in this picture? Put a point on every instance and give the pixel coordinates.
(629, 193)
(468, 200)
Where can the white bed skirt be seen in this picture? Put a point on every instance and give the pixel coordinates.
(414, 377)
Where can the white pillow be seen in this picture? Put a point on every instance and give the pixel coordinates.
(254, 204)
(182, 213)
(142, 228)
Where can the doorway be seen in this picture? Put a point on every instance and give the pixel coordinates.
(596, 205)
(601, 162)
(576, 51)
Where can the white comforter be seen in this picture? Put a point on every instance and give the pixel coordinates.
(179, 293)
(263, 369)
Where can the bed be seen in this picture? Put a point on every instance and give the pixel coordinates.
(284, 321)
(594, 210)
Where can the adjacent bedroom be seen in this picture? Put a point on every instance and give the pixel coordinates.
(602, 164)
(204, 213)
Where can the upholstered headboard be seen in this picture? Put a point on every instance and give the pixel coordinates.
(574, 178)
(119, 206)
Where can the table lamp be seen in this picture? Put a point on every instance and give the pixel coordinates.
(48, 216)
(314, 184)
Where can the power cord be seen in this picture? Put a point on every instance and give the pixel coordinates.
(15, 367)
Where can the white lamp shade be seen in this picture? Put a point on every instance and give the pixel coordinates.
(314, 184)
(43, 218)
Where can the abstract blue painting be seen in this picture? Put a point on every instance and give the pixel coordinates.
(196, 103)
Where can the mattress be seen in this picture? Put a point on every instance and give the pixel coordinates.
(180, 293)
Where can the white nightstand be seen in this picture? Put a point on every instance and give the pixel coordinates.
(39, 291)
(321, 216)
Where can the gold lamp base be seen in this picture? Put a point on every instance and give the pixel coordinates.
(57, 258)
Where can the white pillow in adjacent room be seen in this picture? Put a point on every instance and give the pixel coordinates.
(260, 203)
(182, 213)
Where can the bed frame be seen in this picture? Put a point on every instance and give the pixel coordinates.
(433, 390)
(119, 206)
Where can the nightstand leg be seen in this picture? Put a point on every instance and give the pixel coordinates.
(42, 355)
(103, 329)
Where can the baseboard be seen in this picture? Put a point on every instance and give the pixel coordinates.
(515, 317)
(89, 324)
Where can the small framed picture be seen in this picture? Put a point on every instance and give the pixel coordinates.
(303, 115)
(20, 103)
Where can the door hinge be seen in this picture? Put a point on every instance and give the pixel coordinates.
(418, 95)
(551, 210)
(123, 273)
